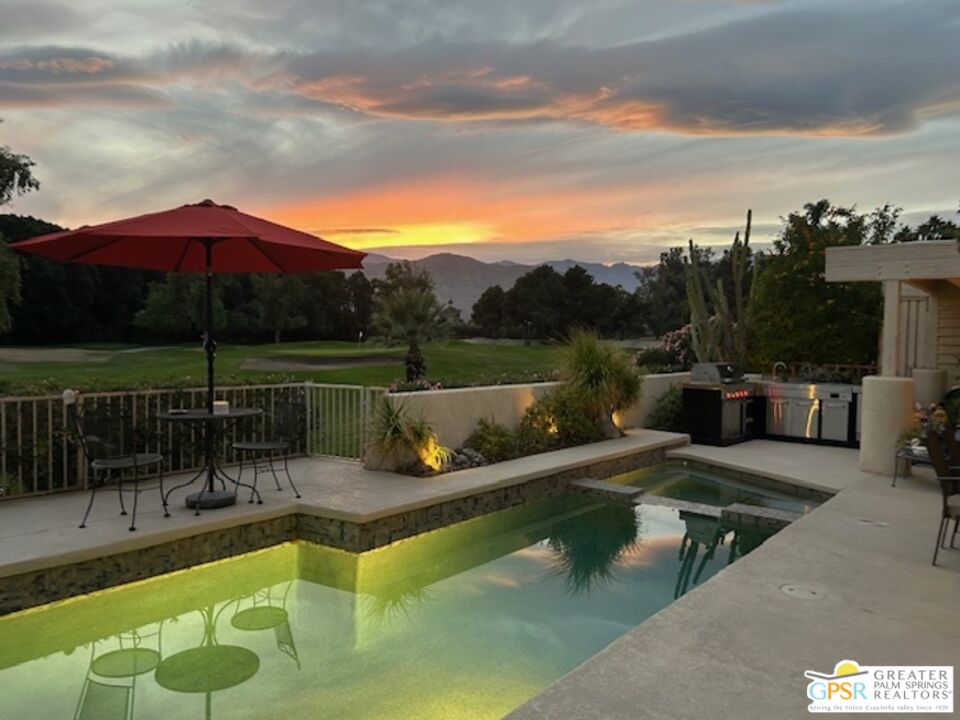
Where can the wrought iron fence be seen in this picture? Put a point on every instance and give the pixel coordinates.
(38, 454)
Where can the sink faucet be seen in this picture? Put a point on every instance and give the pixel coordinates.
(783, 369)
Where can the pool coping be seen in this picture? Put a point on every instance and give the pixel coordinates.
(478, 491)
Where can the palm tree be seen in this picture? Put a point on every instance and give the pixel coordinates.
(411, 316)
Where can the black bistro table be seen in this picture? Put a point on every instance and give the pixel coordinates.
(212, 427)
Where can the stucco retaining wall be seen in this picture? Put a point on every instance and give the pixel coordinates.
(454, 413)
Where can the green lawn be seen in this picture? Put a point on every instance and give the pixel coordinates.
(121, 367)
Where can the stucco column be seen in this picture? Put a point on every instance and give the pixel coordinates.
(929, 385)
(887, 412)
(890, 335)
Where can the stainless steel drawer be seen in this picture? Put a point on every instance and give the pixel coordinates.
(836, 420)
(804, 419)
(778, 411)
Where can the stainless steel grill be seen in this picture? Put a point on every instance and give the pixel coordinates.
(716, 373)
(718, 406)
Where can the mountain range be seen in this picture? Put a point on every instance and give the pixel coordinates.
(460, 280)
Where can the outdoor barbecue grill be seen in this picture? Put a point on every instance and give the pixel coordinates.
(718, 405)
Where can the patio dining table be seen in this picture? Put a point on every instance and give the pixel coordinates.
(212, 427)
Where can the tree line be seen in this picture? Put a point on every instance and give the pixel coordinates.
(60, 303)
(795, 314)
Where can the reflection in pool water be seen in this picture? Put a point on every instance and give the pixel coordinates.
(464, 622)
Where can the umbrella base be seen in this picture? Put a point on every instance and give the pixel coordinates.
(209, 500)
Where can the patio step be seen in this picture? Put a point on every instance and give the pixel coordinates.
(605, 490)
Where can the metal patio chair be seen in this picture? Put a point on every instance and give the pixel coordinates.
(950, 492)
(109, 444)
(265, 611)
(110, 687)
(289, 417)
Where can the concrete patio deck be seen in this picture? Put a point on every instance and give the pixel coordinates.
(41, 532)
(737, 646)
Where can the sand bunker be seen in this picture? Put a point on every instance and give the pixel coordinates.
(54, 354)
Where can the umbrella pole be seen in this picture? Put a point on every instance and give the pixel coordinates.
(208, 343)
(211, 347)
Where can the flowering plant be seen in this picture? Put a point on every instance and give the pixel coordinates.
(675, 352)
(414, 386)
(933, 417)
(679, 343)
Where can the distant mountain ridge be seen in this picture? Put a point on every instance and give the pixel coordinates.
(461, 280)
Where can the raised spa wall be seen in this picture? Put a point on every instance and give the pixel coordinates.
(31, 589)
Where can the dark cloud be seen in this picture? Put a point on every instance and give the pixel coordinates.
(827, 70)
(59, 65)
(35, 18)
(852, 69)
(13, 95)
(306, 25)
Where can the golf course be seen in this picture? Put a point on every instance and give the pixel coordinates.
(93, 367)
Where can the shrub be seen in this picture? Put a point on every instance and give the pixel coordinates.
(493, 440)
(657, 360)
(602, 376)
(667, 412)
(394, 431)
(424, 442)
(389, 426)
(673, 354)
(402, 386)
(559, 419)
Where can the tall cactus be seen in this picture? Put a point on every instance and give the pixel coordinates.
(720, 335)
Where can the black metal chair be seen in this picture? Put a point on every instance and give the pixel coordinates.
(266, 613)
(949, 490)
(289, 416)
(110, 687)
(109, 446)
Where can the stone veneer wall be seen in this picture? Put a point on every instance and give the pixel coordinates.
(43, 586)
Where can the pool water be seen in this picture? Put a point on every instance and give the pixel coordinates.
(710, 487)
(464, 622)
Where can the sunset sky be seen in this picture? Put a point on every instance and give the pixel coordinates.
(504, 129)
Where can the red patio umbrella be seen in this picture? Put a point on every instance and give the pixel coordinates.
(204, 237)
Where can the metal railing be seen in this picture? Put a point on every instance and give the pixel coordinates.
(39, 456)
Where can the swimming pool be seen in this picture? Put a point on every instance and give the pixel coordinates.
(464, 622)
(712, 487)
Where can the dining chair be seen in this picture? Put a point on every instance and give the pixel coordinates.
(949, 491)
(289, 418)
(109, 445)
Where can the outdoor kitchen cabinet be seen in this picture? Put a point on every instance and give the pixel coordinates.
(804, 418)
(820, 413)
(835, 423)
(778, 415)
